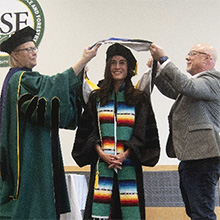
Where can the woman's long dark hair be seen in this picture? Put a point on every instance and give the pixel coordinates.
(132, 95)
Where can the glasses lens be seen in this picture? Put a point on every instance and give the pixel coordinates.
(32, 49)
(190, 54)
(194, 52)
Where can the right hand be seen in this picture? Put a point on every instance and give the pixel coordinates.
(113, 160)
(156, 51)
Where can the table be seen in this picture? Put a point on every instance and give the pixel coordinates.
(77, 190)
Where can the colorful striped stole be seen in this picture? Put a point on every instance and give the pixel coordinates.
(115, 129)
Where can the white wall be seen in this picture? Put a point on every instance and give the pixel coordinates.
(71, 25)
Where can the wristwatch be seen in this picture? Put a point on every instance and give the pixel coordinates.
(163, 59)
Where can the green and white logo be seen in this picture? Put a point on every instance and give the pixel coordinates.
(17, 14)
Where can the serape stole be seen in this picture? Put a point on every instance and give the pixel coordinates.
(116, 122)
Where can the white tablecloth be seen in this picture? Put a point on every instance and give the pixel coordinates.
(77, 190)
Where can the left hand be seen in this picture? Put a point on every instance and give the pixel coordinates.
(88, 53)
(156, 51)
(117, 161)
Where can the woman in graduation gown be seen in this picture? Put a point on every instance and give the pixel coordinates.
(33, 107)
(117, 134)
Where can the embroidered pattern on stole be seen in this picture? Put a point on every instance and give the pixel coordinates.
(115, 130)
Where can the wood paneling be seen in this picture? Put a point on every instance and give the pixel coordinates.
(170, 213)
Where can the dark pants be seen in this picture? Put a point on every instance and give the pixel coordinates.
(198, 180)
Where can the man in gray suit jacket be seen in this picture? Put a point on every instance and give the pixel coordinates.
(194, 122)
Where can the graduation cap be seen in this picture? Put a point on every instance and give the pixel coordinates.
(20, 37)
(118, 49)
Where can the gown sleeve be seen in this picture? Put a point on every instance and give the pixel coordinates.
(144, 143)
(39, 94)
(87, 135)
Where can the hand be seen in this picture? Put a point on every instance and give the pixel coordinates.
(156, 51)
(117, 162)
(88, 54)
(114, 161)
(150, 62)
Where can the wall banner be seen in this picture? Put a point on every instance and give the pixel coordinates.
(17, 14)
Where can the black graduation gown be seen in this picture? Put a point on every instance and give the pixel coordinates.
(144, 145)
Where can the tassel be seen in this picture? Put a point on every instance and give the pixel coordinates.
(96, 180)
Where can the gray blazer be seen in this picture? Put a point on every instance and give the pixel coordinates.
(194, 118)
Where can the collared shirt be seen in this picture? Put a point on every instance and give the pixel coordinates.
(197, 75)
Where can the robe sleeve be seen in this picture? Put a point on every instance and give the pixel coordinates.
(144, 143)
(39, 94)
(87, 135)
(165, 86)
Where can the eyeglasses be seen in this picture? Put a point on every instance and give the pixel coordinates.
(29, 49)
(194, 52)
